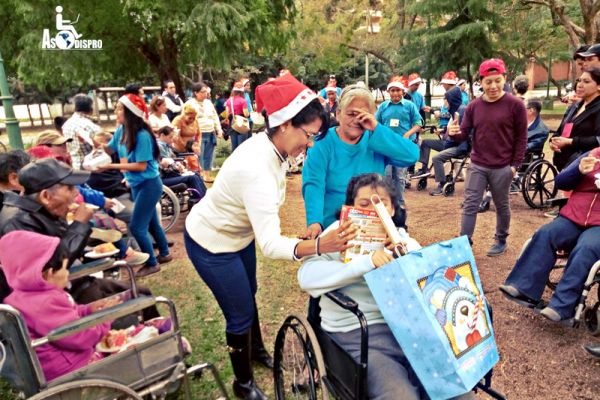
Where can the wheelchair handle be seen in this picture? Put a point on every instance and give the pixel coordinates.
(109, 314)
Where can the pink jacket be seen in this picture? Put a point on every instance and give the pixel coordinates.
(44, 306)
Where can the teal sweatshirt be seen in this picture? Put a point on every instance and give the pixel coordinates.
(331, 163)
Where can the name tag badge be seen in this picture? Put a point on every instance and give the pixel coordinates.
(394, 123)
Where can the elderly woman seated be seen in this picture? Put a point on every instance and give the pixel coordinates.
(576, 230)
(389, 375)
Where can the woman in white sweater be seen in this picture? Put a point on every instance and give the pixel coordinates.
(243, 207)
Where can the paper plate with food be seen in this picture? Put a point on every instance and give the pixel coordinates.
(102, 250)
(114, 341)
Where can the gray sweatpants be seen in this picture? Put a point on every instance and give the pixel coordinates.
(389, 376)
(478, 179)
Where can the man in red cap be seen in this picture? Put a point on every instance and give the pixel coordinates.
(497, 126)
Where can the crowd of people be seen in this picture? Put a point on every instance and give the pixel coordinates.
(352, 149)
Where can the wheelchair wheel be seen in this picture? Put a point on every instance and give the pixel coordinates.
(555, 274)
(538, 184)
(299, 370)
(169, 209)
(422, 184)
(448, 189)
(591, 316)
(88, 389)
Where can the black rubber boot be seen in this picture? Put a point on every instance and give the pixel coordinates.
(259, 353)
(244, 386)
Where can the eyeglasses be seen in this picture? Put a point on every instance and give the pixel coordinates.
(309, 135)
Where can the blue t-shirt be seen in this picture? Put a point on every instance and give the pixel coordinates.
(465, 98)
(418, 99)
(399, 117)
(143, 151)
(331, 163)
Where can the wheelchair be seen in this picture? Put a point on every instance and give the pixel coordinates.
(535, 179)
(457, 165)
(311, 364)
(153, 368)
(586, 315)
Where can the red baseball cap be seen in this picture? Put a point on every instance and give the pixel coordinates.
(493, 66)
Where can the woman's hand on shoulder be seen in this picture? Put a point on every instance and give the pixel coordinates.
(337, 239)
(586, 165)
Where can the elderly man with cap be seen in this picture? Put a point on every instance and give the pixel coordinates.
(497, 126)
(402, 117)
(591, 56)
(242, 208)
(57, 143)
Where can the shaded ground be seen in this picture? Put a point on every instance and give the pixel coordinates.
(539, 359)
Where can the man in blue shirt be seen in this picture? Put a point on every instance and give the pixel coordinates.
(402, 117)
(413, 94)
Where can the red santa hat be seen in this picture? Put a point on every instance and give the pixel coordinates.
(282, 98)
(244, 81)
(413, 79)
(397, 82)
(449, 78)
(135, 104)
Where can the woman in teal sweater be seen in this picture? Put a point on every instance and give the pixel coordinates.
(358, 145)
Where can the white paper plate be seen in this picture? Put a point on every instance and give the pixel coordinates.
(93, 254)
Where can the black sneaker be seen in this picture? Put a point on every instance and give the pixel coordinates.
(437, 191)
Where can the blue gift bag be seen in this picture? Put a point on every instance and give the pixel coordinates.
(434, 305)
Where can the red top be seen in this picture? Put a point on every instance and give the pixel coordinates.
(239, 103)
(498, 131)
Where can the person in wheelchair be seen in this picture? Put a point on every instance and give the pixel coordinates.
(49, 190)
(389, 375)
(172, 172)
(576, 230)
(537, 131)
(38, 275)
(447, 147)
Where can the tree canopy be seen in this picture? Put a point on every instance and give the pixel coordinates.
(222, 40)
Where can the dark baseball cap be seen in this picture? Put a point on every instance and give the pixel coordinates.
(42, 174)
(594, 50)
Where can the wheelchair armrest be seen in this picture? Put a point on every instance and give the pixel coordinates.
(85, 269)
(109, 314)
(557, 202)
(347, 303)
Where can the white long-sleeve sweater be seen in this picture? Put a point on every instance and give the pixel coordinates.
(244, 203)
(321, 274)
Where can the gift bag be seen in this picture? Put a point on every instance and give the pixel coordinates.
(240, 124)
(433, 302)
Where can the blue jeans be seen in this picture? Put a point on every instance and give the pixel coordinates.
(532, 269)
(237, 138)
(209, 141)
(191, 181)
(398, 177)
(144, 220)
(231, 277)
